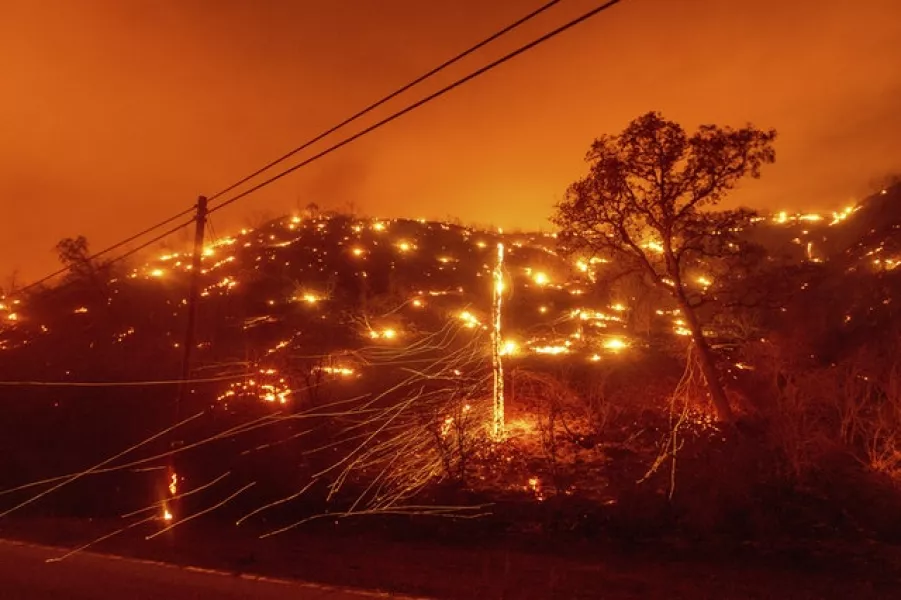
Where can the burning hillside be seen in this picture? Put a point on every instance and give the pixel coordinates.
(331, 286)
(329, 346)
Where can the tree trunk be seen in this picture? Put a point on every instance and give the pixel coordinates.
(705, 355)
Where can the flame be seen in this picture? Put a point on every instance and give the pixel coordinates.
(509, 348)
(653, 246)
(615, 344)
(469, 319)
(386, 334)
(552, 350)
(343, 371)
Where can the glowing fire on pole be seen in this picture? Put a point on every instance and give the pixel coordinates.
(497, 429)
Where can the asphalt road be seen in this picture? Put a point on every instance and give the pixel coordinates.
(25, 574)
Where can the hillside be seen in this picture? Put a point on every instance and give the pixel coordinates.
(312, 329)
(337, 284)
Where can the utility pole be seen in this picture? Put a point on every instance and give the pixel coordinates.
(193, 292)
(498, 425)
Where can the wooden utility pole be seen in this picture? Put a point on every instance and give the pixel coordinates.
(193, 293)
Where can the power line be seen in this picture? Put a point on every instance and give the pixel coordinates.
(95, 384)
(389, 97)
(115, 246)
(348, 140)
(303, 146)
(417, 104)
(151, 241)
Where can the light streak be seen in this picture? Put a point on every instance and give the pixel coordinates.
(99, 465)
(166, 516)
(200, 513)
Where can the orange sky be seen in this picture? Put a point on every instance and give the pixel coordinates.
(117, 113)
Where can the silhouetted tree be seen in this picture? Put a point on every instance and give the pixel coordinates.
(11, 285)
(73, 253)
(642, 203)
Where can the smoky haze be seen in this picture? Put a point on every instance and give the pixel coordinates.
(118, 114)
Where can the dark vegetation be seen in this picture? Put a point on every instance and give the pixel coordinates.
(339, 376)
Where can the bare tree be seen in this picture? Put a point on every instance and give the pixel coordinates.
(11, 285)
(642, 204)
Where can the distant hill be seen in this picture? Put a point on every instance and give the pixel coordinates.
(333, 285)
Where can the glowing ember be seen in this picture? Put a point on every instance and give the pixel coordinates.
(615, 344)
(384, 334)
(343, 371)
(509, 348)
(841, 216)
(469, 319)
(541, 279)
(552, 350)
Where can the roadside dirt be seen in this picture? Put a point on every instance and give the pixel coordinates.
(504, 568)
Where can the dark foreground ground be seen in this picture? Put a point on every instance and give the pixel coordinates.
(456, 568)
(26, 574)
